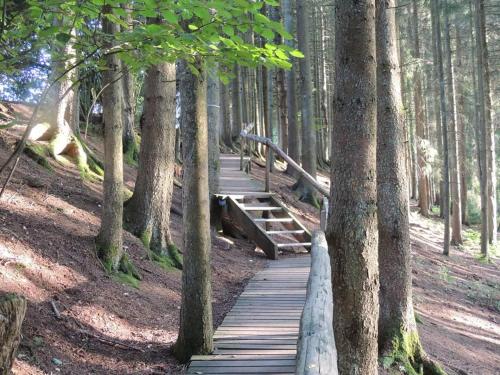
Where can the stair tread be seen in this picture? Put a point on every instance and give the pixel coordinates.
(261, 208)
(274, 220)
(294, 244)
(296, 231)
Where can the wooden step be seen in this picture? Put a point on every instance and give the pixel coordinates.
(297, 231)
(261, 208)
(294, 244)
(274, 220)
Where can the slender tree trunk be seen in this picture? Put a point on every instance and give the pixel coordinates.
(456, 218)
(226, 115)
(291, 98)
(481, 132)
(130, 148)
(236, 105)
(444, 126)
(486, 119)
(213, 112)
(461, 136)
(109, 240)
(309, 156)
(195, 331)
(423, 178)
(352, 228)
(147, 212)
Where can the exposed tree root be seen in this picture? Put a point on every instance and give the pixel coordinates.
(407, 351)
(306, 193)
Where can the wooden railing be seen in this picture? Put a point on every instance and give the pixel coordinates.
(316, 351)
(246, 136)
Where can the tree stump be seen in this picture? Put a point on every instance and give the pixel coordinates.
(12, 311)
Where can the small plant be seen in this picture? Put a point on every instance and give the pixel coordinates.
(444, 274)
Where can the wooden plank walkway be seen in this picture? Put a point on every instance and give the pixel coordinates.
(232, 181)
(259, 335)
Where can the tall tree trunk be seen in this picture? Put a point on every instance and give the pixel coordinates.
(456, 209)
(109, 240)
(422, 146)
(352, 228)
(486, 119)
(147, 212)
(236, 105)
(435, 12)
(397, 326)
(226, 115)
(462, 154)
(213, 113)
(291, 97)
(480, 131)
(130, 148)
(309, 156)
(195, 331)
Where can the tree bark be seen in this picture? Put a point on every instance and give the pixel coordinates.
(109, 240)
(236, 105)
(147, 212)
(195, 332)
(481, 131)
(421, 142)
(352, 228)
(12, 312)
(456, 209)
(225, 115)
(486, 119)
(213, 113)
(291, 96)
(309, 157)
(436, 24)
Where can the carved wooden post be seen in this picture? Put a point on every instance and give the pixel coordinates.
(324, 214)
(12, 311)
(242, 147)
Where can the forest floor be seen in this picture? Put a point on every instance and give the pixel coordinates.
(48, 220)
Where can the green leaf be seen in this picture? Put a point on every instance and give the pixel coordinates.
(297, 53)
(170, 16)
(192, 27)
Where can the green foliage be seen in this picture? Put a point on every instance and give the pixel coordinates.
(185, 29)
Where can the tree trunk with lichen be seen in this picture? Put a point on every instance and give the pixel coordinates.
(12, 312)
(195, 331)
(352, 227)
(397, 327)
(109, 240)
(147, 212)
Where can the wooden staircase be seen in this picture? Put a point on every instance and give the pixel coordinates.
(268, 223)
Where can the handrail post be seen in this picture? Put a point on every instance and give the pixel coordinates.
(268, 168)
(324, 214)
(242, 151)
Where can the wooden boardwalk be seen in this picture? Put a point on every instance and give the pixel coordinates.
(259, 335)
(232, 181)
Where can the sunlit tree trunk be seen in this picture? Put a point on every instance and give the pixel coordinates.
(109, 240)
(195, 331)
(352, 228)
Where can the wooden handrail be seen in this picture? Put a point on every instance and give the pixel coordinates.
(316, 351)
(269, 143)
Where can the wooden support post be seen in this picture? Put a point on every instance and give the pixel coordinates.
(268, 169)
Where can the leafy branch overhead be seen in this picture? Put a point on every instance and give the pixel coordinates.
(160, 31)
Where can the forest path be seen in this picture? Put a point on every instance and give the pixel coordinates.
(259, 335)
